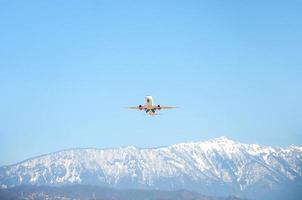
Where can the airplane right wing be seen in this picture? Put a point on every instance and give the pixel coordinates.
(159, 107)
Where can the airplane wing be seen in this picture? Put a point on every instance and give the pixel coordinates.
(134, 107)
(165, 107)
(140, 107)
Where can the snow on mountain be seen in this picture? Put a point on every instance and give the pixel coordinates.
(217, 166)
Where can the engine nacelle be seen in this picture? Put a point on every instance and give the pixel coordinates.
(140, 107)
(158, 107)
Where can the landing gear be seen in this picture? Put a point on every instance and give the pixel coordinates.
(152, 110)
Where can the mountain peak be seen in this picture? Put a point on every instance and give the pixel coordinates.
(210, 142)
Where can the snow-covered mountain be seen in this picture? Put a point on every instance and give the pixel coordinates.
(219, 166)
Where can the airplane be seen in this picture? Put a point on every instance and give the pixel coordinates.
(150, 108)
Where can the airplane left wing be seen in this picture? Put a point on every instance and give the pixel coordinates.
(140, 107)
(134, 107)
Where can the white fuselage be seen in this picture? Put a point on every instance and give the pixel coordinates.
(149, 102)
(149, 107)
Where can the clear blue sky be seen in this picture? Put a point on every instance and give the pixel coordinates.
(68, 69)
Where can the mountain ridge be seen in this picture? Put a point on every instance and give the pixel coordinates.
(138, 147)
(220, 163)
